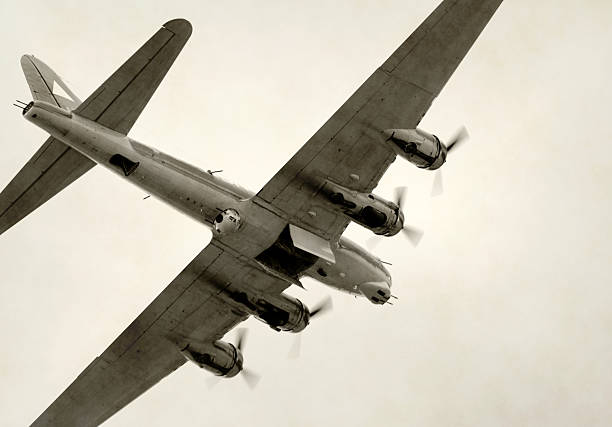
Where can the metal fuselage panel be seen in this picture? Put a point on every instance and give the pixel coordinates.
(155, 175)
(201, 196)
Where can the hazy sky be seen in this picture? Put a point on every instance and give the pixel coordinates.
(503, 315)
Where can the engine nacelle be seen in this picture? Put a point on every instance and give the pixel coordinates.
(417, 146)
(220, 358)
(288, 314)
(281, 312)
(368, 210)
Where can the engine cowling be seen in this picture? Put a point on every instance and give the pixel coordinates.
(220, 358)
(418, 147)
(281, 312)
(368, 210)
(291, 315)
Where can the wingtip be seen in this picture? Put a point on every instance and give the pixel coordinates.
(179, 26)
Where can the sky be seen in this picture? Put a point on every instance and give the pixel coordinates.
(503, 314)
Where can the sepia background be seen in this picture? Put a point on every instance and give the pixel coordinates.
(503, 315)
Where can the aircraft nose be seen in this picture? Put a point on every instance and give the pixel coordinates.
(376, 292)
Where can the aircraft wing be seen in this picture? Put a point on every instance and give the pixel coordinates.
(349, 148)
(122, 97)
(194, 306)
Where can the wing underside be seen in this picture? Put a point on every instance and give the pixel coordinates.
(349, 149)
(195, 306)
(52, 168)
(118, 102)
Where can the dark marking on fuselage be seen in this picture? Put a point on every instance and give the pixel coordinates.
(285, 258)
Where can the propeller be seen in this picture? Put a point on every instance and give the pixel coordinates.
(319, 309)
(461, 135)
(413, 234)
(241, 338)
(296, 347)
(250, 377)
(322, 307)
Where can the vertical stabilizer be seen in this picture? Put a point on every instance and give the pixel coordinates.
(46, 85)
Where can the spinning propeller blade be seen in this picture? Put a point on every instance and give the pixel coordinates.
(437, 187)
(414, 234)
(459, 138)
(322, 307)
(296, 347)
(319, 309)
(241, 334)
(400, 195)
(250, 377)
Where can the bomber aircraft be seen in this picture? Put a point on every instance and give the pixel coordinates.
(262, 242)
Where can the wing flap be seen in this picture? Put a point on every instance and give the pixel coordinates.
(118, 102)
(194, 305)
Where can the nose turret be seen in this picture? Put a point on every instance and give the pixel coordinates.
(376, 292)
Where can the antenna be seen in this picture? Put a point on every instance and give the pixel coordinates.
(214, 172)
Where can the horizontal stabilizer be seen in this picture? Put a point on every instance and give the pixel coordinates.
(122, 97)
(49, 171)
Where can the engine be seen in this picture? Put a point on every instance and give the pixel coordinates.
(280, 312)
(368, 210)
(418, 147)
(220, 358)
(291, 315)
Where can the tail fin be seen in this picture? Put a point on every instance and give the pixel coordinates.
(54, 165)
(46, 85)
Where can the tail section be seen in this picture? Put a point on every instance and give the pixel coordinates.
(46, 85)
(116, 104)
(54, 165)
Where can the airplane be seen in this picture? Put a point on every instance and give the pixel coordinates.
(262, 242)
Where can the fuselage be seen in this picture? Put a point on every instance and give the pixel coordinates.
(202, 195)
